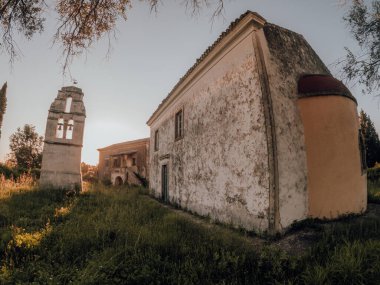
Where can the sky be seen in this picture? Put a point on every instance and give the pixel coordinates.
(151, 52)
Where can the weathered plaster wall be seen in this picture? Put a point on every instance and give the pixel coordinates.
(287, 56)
(220, 167)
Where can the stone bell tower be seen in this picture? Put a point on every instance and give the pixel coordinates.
(61, 156)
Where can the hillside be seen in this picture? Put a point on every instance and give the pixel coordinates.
(122, 236)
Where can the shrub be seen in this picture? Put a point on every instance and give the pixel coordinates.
(373, 174)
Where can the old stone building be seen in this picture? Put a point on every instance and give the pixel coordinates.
(124, 163)
(61, 155)
(258, 134)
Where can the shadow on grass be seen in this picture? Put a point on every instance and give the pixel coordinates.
(118, 236)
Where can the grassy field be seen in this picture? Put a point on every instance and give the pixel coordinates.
(121, 236)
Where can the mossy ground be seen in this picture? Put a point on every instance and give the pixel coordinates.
(122, 236)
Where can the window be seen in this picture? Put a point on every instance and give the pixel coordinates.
(116, 162)
(156, 142)
(68, 104)
(70, 129)
(107, 162)
(179, 125)
(59, 130)
(134, 161)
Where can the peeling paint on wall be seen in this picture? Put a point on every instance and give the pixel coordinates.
(219, 169)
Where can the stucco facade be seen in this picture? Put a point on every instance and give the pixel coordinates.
(120, 162)
(240, 156)
(336, 167)
(61, 155)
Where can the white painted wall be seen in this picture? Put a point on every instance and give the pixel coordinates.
(220, 167)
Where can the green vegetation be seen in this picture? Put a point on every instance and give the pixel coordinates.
(371, 139)
(26, 148)
(373, 175)
(374, 192)
(121, 236)
(3, 103)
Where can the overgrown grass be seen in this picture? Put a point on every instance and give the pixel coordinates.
(120, 236)
(374, 191)
(9, 186)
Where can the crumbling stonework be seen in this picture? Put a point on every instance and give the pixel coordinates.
(61, 156)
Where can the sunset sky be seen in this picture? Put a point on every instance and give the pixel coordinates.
(151, 52)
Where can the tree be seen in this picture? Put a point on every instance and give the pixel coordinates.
(371, 139)
(364, 23)
(3, 103)
(80, 22)
(26, 147)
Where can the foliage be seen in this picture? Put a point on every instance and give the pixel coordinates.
(3, 103)
(14, 172)
(373, 191)
(364, 22)
(89, 172)
(118, 236)
(21, 182)
(80, 22)
(371, 139)
(106, 181)
(26, 147)
(373, 174)
(21, 16)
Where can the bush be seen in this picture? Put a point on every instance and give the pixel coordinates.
(373, 174)
(6, 171)
(106, 182)
(16, 172)
(90, 177)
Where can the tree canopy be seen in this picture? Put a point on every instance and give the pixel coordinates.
(80, 22)
(26, 147)
(3, 103)
(371, 139)
(363, 20)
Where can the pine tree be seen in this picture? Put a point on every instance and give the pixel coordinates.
(371, 139)
(3, 103)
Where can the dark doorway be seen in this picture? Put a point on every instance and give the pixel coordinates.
(118, 181)
(164, 183)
